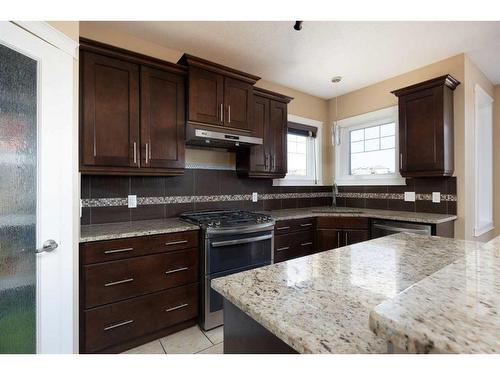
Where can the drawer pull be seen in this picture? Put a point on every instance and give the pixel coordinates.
(118, 250)
(112, 326)
(306, 225)
(306, 244)
(119, 282)
(175, 242)
(283, 248)
(282, 228)
(177, 307)
(176, 270)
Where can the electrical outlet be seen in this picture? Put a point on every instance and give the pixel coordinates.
(409, 196)
(436, 197)
(254, 197)
(132, 201)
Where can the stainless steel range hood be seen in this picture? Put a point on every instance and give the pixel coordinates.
(210, 138)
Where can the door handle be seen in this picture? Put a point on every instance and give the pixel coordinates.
(48, 246)
(177, 307)
(306, 244)
(283, 248)
(147, 153)
(113, 326)
(176, 270)
(175, 242)
(221, 113)
(135, 152)
(346, 240)
(228, 114)
(338, 239)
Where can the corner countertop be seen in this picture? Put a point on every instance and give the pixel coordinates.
(111, 231)
(321, 303)
(100, 232)
(455, 310)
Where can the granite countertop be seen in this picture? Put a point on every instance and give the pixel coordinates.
(321, 303)
(417, 217)
(100, 232)
(455, 310)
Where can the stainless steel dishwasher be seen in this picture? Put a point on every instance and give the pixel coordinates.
(381, 228)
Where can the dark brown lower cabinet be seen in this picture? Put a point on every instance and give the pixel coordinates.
(147, 289)
(334, 232)
(293, 239)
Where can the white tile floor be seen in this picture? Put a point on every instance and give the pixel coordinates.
(189, 341)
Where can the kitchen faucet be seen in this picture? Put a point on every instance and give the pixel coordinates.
(335, 191)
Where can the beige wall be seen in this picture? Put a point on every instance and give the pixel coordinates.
(303, 105)
(70, 28)
(496, 158)
(379, 96)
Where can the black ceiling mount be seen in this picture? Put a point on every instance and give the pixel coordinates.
(298, 25)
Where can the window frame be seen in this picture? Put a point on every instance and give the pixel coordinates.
(342, 149)
(293, 180)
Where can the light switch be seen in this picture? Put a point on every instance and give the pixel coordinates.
(254, 197)
(132, 201)
(436, 197)
(409, 196)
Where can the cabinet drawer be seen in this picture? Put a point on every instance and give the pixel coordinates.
(293, 245)
(288, 226)
(342, 222)
(114, 281)
(103, 251)
(118, 322)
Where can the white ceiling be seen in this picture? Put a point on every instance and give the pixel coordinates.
(362, 52)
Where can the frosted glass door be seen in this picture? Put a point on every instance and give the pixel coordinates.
(18, 189)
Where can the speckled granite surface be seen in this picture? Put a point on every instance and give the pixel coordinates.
(417, 217)
(455, 310)
(99, 232)
(321, 303)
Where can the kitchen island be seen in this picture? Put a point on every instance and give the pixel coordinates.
(322, 303)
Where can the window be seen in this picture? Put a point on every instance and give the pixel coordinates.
(366, 149)
(303, 152)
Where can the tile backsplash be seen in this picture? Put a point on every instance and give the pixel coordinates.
(104, 198)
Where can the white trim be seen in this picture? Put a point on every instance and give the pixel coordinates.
(482, 99)
(318, 155)
(366, 120)
(51, 35)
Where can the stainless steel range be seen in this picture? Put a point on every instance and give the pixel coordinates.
(233, 241)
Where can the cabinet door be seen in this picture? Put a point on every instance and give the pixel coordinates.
(352, 236)
(206, 93)
(109, 127)
(421, 131)
(327, 239)
(162, 119)
(238, 104)
(260, 154)
(278, 135)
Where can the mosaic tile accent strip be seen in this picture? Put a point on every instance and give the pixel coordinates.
(144, 201)
(400, 196)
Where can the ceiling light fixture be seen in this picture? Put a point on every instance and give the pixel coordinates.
(298, 25)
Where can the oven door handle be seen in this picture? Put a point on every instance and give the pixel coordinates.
(242, 241)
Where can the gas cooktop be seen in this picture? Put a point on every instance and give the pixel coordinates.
(225, 218)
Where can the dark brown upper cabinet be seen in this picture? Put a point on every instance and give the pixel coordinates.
(162, 119)
(219, 96)
(132, 112)
(426, 127)
(268, 160)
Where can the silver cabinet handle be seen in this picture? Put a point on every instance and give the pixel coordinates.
(221, 113)
(175, 242)
(272, 163)
(401, 160)
(48, 246)
(346, 240)
(150, 150)
(177, 307)
(306, 225)
(176, 270)
(306, 244)
(242, 241)
(135, 152)
(118, 325)
(229, 114)
(119, 250)
(283, 248)
(265, 161)
(338, 239)
(119, 282)
(147, 153)
(282, 228)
